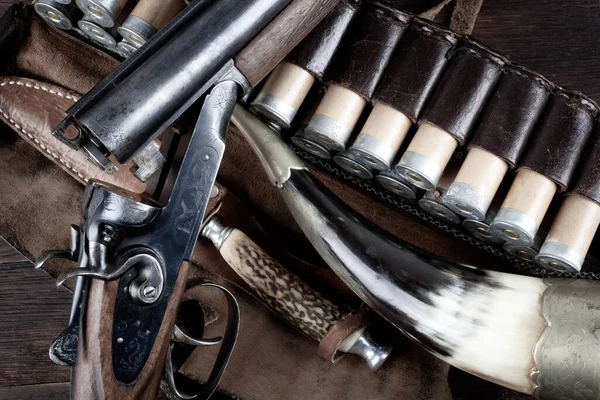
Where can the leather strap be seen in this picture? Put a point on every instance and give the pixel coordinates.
(464, 16)
(561, 137)
(461, 94)
(435, 10)
(588, 176)
(330, 344)
(415, 69)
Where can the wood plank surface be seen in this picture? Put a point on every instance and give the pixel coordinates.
(557, 38)
(33, 312)
(49, 391)
(9, 254)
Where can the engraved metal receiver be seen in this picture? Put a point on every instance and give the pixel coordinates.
(143, 245)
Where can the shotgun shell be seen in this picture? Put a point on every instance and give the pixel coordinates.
(335, 118)
(433, 204)
(524, 208)
(125, 48)
(136, 31)
(476, 184)
(381, 137)
(282, 95)
(481, 229)
(395, 184)
(523, 253)
(57, 13)
(304, 142)
(427, 156)
(349, 163)
(98, 34)
(571, 235)
(102, 12)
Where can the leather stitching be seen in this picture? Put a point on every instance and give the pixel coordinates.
(40, 87)
(43, 147)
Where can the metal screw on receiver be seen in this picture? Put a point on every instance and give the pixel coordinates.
(110, 234)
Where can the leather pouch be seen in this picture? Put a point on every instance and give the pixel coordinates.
(561, 136)
(365, 55)
(415, 69)
(587, 182)
(317, 50)
(511, 114)
(459, 98)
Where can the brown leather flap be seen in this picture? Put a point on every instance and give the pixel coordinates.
(318, 49)
(368, 49)
(415, 69)
(511, 114)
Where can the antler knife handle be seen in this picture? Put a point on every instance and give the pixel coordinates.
(293, 299)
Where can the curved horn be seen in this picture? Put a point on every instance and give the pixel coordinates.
(539, 337)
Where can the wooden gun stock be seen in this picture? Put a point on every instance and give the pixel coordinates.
(280, 37)
(93, 376)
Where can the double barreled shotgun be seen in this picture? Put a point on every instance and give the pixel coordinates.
(133, 254)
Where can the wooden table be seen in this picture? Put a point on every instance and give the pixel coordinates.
(33, 312)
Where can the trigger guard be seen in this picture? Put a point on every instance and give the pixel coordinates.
(54, 254)
(227, 345)
(182, 337)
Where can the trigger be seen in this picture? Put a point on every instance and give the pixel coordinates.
(71, 254)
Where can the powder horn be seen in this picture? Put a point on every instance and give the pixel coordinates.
(537, 336)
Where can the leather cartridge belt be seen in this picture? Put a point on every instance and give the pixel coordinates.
(427, 115)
